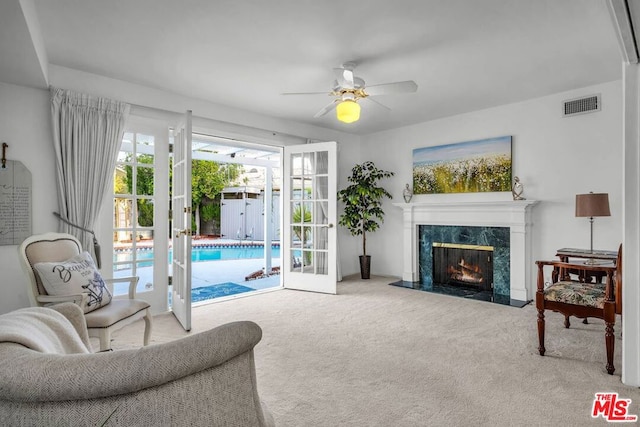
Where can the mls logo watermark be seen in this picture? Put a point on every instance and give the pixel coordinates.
(612, 408)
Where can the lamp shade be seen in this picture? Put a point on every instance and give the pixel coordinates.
(592, 204)
(348, 111)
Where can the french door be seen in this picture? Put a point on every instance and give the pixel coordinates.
(133, 223)
(310, 211)
(181, 223)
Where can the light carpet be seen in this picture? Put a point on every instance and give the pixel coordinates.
(380, 355)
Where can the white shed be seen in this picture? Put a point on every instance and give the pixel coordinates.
(242, 214)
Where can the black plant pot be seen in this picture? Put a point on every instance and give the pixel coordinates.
(365, 266)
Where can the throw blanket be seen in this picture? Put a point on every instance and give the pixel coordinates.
(41, 329)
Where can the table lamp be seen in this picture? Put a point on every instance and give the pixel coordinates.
(592, 205)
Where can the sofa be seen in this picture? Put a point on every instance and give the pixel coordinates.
(50, 376)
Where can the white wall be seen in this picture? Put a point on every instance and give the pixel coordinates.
(349, 247)
(555, 158)
(631, 226)
(25, 124)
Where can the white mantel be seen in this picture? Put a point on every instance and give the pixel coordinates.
(515, 214)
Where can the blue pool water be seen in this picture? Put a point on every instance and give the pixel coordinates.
(198, 254)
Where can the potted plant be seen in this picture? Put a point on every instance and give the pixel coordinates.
(363, 206)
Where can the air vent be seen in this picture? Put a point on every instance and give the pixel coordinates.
(587, 104)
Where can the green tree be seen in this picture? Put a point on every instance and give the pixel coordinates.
(208, 179)
(144, 187)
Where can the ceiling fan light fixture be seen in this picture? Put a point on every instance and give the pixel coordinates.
(348, 111)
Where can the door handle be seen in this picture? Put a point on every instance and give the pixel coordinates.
(182, 232)
(326, 225)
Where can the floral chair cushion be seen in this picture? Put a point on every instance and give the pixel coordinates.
(577, 293)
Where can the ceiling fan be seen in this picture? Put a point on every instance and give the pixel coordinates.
(349, 89)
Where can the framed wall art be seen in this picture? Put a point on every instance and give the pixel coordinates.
(466, 167)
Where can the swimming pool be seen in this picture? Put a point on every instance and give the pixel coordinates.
(200, 254)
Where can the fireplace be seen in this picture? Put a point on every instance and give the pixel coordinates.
(468, 261)
(463, 265)
(503, 224)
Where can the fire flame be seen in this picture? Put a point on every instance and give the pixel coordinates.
(467, 273)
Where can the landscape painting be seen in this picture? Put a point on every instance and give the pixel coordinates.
(464, 167)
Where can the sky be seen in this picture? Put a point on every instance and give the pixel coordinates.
(462, 150)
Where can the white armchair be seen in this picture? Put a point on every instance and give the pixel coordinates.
(48, 376)
(60, 247)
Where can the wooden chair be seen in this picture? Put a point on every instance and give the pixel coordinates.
(58, 247)
(581, 298)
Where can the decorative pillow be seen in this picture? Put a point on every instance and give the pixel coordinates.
(74, 276)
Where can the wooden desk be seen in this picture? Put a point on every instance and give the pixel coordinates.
(566, 253)
(609, 258)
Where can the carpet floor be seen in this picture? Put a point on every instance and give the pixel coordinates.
(380, 355)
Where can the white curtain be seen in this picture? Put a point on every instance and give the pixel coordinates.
(87, 133)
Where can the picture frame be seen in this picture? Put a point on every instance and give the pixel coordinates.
(483, 165)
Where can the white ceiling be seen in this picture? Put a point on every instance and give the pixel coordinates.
(464, 55)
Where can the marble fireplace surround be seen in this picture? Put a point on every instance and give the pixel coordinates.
(514, 214)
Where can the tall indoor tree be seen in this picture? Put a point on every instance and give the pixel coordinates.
(363, 206)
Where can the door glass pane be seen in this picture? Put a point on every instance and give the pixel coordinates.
(307, 261)
(296, 164)
(145, 212)
(322, 162)
(296, 237)
(308, 163)
(296, 260)
(121, 270)
(296, 189)
(122, 267)
(322, 187)
(321, 266)
(144, 271)
(127, 138)
(144, 181)
(123, 212)
(296, 213)
(123, 156)
(120, 180)
(144, 148)
(321, 238)
(322, 208)
(296, 225)
(307, 185)
(308, 212)
(305, 235)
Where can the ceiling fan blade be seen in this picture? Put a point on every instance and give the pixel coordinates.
(326, 109)
(377, 102)
(392, 88)
(344, 77)
(304, 93)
